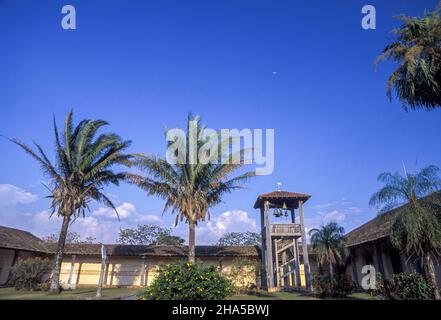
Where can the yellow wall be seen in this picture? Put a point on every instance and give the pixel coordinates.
(241, 276)
(127, 271)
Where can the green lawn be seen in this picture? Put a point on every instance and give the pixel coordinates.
(274, 296)
(292, 296)
(109, 293)
(81, 293)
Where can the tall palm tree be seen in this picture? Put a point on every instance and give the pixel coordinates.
(417, 50)
(328, 244)
(83, 166)
(416, 227)
(190, 189)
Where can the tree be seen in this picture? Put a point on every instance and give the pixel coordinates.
(328, 244)
(417, 49)
(416, 226)
(71, 237)
(169, 240)
(240, 239)
(83, 166)
(191, 188)
(148, 235)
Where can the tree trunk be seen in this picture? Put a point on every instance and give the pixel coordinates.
(55, 280)
(429, 269)
(191, 242)
(331, 272)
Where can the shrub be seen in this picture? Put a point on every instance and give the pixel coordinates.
(340, 287)
(188, 281)
(322, 286)
(28, 273)
(344, 287)
(404, 286)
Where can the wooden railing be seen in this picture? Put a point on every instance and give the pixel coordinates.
(285, 229)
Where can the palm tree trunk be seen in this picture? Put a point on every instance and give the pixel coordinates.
(191, 242)
(55, 281)
(429, 269)
(331, 272)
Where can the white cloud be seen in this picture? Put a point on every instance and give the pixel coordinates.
(101, 223)
(43, 224)
(124, 211)
(103, 230)
(11, 195)
(354, 209)
(333, 216)
(90, 226)
(321, 206)
(128, 212)
(229, 221)
(149, 218)
(343, 212)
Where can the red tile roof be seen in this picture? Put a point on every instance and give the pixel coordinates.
(379, 227)
(11, 238)
(21, 240)
(278, 198)
(161, 250)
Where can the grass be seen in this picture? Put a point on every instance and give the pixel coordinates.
(293, 296)
(362, 296)
(76, 294)
(109, 293)
(274, 296)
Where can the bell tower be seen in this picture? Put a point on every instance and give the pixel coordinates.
(284, 247)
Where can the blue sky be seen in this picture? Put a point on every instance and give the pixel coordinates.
(303, 68)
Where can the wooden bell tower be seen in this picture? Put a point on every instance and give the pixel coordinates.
(280, 256)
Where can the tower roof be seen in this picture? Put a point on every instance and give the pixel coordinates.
(281, 198)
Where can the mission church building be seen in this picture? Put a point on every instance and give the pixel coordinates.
(370, 244)
(282, 261)
(126, 266)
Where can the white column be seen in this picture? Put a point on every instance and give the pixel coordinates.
(263, 270)
(142, 276)
(71, 271)
(269, 247)
(276, 254)
(304, 247)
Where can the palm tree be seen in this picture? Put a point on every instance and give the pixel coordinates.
(416, 227)
(190, 189)
(328, 244)
(83, 166)
(417, 50)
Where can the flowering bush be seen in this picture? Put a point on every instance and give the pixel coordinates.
(188, 281)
